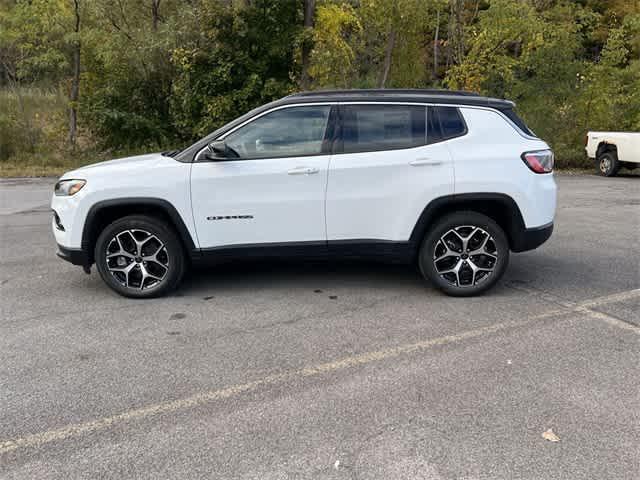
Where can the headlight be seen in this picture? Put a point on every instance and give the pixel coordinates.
(66, 188)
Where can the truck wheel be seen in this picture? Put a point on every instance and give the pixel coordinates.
(464, 254)
(140, 256)
(608, 164)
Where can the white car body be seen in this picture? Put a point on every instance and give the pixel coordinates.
(627, 144)
(375, 198)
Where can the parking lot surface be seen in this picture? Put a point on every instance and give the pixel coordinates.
(327, 371)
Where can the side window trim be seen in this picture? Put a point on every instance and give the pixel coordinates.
(332, 130)
(433, 120)
(337, 146)
(330, 127)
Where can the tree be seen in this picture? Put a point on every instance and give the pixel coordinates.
(333, 57)
(129, 75)
(309, 7)
(75, 77)
(48, 34)
(239, 58)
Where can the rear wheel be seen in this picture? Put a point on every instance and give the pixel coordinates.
(140, 256)
(465, 254)
(608, 164)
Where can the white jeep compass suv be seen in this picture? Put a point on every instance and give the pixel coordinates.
(449, 180)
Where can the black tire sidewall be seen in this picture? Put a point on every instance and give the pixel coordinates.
(425, 256)
(156, 227)
(613, 159)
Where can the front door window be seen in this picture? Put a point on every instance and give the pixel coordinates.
(288, 132)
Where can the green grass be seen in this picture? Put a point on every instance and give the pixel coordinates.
(33, 130)
(54, 164)
(42, 166)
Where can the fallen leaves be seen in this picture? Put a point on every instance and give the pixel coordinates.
(550, 436)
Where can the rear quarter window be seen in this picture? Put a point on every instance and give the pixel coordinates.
(511, 114)
(444, 123)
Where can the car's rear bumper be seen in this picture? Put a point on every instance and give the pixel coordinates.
(74, 256)
(531, 238)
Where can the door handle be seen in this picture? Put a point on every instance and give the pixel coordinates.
(425, 161)
(303, 171)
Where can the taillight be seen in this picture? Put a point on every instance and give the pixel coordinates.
(539, 161)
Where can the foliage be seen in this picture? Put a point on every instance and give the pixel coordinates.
(154, 80)
(333, 60)
(237, 60)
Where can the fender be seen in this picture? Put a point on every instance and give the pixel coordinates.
(89, 234)
(499, 206)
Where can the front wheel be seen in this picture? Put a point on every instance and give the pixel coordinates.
(140, 256)
(464, 254)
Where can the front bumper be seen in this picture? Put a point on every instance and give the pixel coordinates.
(74, 256)
(531, 238)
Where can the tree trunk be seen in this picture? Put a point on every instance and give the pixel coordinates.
(384, 73)
(436, 39)
(155, 13)
(455, 35)
(308, 22)
(75, 80)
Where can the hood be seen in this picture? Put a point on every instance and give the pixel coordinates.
(120, 165)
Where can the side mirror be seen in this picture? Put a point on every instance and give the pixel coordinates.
(218, 150)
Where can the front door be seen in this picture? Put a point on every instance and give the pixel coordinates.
(274, 191)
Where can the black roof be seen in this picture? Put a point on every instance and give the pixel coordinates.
(458, 97)
(386, 91)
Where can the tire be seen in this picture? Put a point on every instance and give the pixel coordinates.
(608, 164)
(140, 257)
(465, 232)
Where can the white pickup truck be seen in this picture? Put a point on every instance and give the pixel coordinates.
(613, 150)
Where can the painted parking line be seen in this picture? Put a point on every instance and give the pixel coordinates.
(78, 429)
(611, 320)
(616, 297)
(586, 307)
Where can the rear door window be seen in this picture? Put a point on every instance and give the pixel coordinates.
(367, 128)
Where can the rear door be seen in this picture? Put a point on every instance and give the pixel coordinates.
(384, 172)
(274, 191)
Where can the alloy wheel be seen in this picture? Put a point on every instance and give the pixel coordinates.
(137, 259)
(605, 165)
(465, 256)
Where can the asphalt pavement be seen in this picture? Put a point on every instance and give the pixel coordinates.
(327, 371)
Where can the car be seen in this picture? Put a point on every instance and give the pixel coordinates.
(449, 181)
(613, 150)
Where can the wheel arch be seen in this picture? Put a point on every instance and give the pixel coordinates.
(605, 146)
(498, 206)
(105, 212)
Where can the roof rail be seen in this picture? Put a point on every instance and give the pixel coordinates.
(386, 91)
